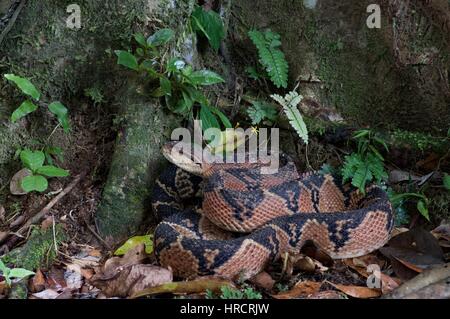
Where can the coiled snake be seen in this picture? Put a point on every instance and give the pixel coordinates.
(249, 219)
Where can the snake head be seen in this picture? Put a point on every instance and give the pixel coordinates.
(187, 156)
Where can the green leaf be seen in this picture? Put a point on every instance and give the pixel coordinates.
(34, 183)
(271, 57)
(166, 86)
(423, 209)
(20, 273)
(208, 119)
(139, 37)
(210, 24)
(260, 111)
(361, 133)
(3, 267)
(205, 77)
(147, 240)
(32, 160)
(25, 108)
(175, 64)
(24, 85)
(350, 165)
(52, 171)
(223, 118)
(160, 37)
(446, 180)
(289, 103)
(180, 104)
(61, 113)
(361, 177)
(127, 59)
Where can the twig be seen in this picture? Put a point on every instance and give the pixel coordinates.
(47, 208)
(12, 20)
(97, 236)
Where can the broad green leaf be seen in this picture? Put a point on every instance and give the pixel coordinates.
(52, 171)
(24, 85)
(32, 160)
(423, 209)
(3, 267)
(20, 273)
(228, 141)
(34, 183)
(61, 113)
(160, 37)
(166, 85)
(127, 59)
(210, 24)
(25, 108)
(139, 37)
(361, 133)
(223, 118)
(205, 77)
(180, 104)
(175, 64)
(447, 181)
(208, 119)
(147, 240)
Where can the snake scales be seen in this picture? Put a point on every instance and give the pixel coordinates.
(249, 219)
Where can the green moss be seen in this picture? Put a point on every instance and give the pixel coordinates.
(419, 141)
(38, 251)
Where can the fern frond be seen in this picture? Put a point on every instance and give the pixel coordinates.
(271, 57)
(289, 103)
(260, 111)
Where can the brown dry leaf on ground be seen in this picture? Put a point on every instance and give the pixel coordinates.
(442, 234)
(359, 265)
(328, 294)
(357, 291)
(38, 282)
(413, 251)
(431, 283)
(196, 286)
(302, 289)
(124, 276)
(263, 280)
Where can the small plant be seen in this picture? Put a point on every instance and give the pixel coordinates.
(209, 24)
(9, 273)
(34, 161)
(176, 80)
(367, 164)
(289, 103)
(95, 95)
(232, 293)
(38, 172)
(399, 200)
(261, 111)
(446, 181)
(28, 106)
(270, 56)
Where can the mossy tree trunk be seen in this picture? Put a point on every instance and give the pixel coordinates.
(64, 63)
(392, 77)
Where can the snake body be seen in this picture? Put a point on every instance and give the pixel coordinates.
(248, 219)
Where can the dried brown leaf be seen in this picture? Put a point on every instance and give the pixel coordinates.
(357, 291)
(199, 285)
(263, 280)
(302, 289)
